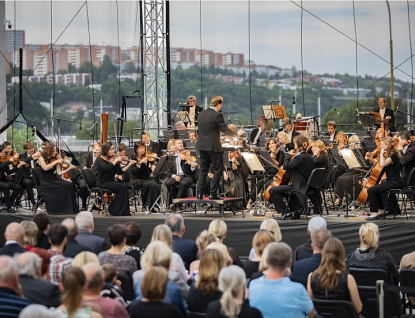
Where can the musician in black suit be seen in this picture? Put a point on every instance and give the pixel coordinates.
(10, 189)
(289, 129)
(193, 111)
(386, 114)
(88, 160)
(25, 175)
(181, 175)
(331, 130)
(300, 164)
(154, 146)
(211, 123)
(262, 126)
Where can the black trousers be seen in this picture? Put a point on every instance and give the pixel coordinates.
(206, 158)
(375, 194)
(179, 189)
(276, 194)
(6, 186)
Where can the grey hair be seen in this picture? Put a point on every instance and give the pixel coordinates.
(28, 263)
(317, 223)
(84, 220)
(191, 96)
(174, 222)
(8, 268)
(231, 282)
(71, 226)
(279, 255)
(36, 311)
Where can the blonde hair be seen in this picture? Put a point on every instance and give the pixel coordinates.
(73, 281)
(261, 239)
(154, 284)
(211, 262)
(272, 226)
(218, 228)
(30, 232)
(216, 100)
(319, 144)
(163, 234)
(369, 235)
(222, 249)
(263, 263)
(156, 254)
(170, 143)
(231, 283)
(84, 258)
(204, 239)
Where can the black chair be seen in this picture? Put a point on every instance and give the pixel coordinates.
(329, 186)
(36, 178)
(404, 192)
(127, 284)
(369, 276)
(194, 314)
(335, 308)
(91, 183)
(407, 278)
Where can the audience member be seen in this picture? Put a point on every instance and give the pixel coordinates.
(272, 226)
(202, 241)
(261, 239)
(331, 279)
(42, 221)
(163, 233)
(160, 254)
(30, 234)
(110, 308)
(36, 289)
(154, 287)
(36, 311)
(232, 284)
(58, 263)
(205, 289)
(302, 268)
(276, 293)
(117, 235)
(45, 256)
(220, 230)
(112, 286)
(186, 248)
(14, 235)
(133, 236)
(73, 282)
(84, 258)
(12, 300)
(72, 247)
(305, 251)
(369, 255)
(223, 250)
(85, 222)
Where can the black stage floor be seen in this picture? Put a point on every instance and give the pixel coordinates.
(396, 235)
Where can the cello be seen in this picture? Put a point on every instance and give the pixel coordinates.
(281, 178)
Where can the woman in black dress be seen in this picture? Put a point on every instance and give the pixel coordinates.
(59, 195)
(140, 176)
(107, 169)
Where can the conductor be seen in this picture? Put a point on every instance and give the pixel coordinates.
(211, 123)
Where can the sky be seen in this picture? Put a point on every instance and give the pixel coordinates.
(320, 38)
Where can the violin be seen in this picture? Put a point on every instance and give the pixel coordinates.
(151, 156)
(233, 154)
(124, 159)
(185, 155)
(65, 165)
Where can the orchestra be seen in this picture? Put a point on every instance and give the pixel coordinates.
(290, 156)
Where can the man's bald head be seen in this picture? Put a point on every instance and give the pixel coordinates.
(71, 226)
(94, 276)
(15, 232)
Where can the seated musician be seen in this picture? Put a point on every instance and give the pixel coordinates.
(262, 126)
(108, 165)
(321, 160)
(192, 136)
(331, 129)
(283, 141)
(152, 146)
(180, 125)
(140, 176)
(88, 160)
(233, 183)
(182, 174)
(300, 164)
(260, 182)
(59, 195)
(389, 160)
(289, 129)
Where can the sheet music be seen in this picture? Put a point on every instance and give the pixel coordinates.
(350, 158)
(252, 161)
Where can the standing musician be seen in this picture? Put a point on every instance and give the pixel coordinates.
(193, 111)
(182, 173)
(152, 146)
(300, 164)
(289, 129)
(108, 165)
(258, 181)
(211, 123)
(386, 114)
(59, 195)
(140, 176)
(389, 160)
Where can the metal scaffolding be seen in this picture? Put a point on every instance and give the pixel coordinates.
(154, 62)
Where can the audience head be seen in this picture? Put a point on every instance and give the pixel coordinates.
(157, 253)
(222, 249)
(316, 223)
(211, 262)
(14, 232)
(57, 234)
(42, 221)
(133, 233)
(70, 224)
(279, 256)
(8, 273)
(218, 228)
(45, 256)
(29, 264)
(94, 276)
(319, 238)
(154, 284)
(369, 235)
(261, 239)
(232, 284)
(85, 221)
(272, 226)
(204, 239)
(176, 224)
(30, 233)
(117, 234)
(36, 311)
(110, 272)
(162, 233)
(73, 282)
(84, 258)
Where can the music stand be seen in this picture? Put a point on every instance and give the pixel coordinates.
(370, 118)
(162, 167)
(279, 111)
(184, 116)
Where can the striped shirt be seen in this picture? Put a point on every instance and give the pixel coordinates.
(11, 304)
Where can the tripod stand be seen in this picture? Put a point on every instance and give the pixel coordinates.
(259, 206)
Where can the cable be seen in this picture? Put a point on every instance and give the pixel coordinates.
(92, 70)
(119, 56)
(357, 73)
(302, 63)
(201, 47)
(412, 63)
(249, 59)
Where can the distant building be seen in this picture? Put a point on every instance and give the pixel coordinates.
(15, 40)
